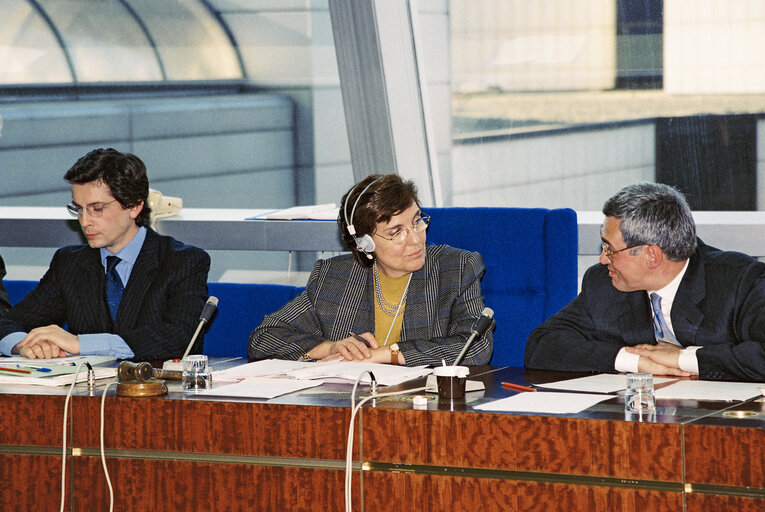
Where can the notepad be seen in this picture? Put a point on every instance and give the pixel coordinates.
(60, 376)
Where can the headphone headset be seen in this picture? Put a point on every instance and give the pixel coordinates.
(365, 243)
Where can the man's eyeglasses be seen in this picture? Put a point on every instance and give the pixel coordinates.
(94, 210)
(610, 253)
(418, 226)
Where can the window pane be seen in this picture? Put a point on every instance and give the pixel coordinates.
(29, 52)
(191, 43)
(104, 40)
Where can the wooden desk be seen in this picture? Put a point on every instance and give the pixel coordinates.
(288, 454)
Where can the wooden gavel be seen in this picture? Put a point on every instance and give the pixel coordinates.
(144, 372)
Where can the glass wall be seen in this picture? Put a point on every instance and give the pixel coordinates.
(562, 102)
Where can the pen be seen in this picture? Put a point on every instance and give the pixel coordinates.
(38, 368)
(362, 340)
(516, 387)
(16, 370)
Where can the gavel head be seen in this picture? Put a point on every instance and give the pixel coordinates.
(141, 372)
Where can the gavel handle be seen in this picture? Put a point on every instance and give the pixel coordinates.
(167, 374)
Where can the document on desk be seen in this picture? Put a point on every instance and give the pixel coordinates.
(601, 383)
(385, 374)
(264, 368)
(260, 387)
(710, 390)
(310, 212)
(546, 402)
(58, 376)
(58, 361)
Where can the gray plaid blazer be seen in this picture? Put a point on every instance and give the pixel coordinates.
(444, 301)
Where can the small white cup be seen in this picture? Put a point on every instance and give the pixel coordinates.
(451, 381)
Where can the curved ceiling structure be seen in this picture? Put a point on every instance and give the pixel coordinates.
(114, 41)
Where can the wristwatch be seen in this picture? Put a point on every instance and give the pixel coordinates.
(394, 353)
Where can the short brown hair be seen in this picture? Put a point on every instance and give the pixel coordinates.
(123, 173)
(374, 199)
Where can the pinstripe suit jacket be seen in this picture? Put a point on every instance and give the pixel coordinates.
(444, 301)
(159, 310)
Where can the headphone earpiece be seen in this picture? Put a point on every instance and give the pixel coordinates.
(365, 244)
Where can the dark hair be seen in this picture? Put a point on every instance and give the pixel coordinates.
(374, 199)
(123, 173)
(654, 214)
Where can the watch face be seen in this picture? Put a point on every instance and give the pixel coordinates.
(394, 347)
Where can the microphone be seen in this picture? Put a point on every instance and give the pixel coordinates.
(479, 328)
(143, 372)
(207, 313)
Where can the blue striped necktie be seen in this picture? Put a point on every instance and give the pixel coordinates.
(114, 287)
(660, 327)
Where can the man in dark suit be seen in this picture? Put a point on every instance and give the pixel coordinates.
(145, 304)
(660, 301)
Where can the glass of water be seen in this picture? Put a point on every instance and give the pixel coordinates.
(196, 374)
(639, 397)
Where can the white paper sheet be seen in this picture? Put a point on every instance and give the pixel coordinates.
(385, 374)
(260, 369)
(259, 387)
(545, 402)
(601, 383)
(710, 390)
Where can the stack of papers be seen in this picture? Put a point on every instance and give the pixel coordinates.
(273, 377)
(347, 371)
(54, 372)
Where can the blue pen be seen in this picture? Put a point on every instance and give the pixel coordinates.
(38, 368)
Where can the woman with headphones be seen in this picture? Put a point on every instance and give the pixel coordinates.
(394, 299)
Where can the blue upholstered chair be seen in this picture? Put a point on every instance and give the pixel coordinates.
(17, 290)
(531, 265)
(241, 308)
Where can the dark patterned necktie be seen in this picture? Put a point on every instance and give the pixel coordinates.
(660, 327)
(114, 287)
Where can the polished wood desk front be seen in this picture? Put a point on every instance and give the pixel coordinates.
(288, 453)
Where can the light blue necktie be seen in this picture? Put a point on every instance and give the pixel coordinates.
(660, 327)
(114, 287)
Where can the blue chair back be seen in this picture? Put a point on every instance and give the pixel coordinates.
(241, 308)
(531, 265)
(17, 290)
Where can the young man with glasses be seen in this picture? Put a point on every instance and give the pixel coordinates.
(129, 292)
(409, 303)
(660, 301)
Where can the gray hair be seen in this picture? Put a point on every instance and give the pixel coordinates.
(654, 214)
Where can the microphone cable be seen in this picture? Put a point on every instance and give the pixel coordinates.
(355, 409)
(103, 451)
(63, 443)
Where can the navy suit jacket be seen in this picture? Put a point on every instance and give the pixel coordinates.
(160, 306)
(720, 305)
